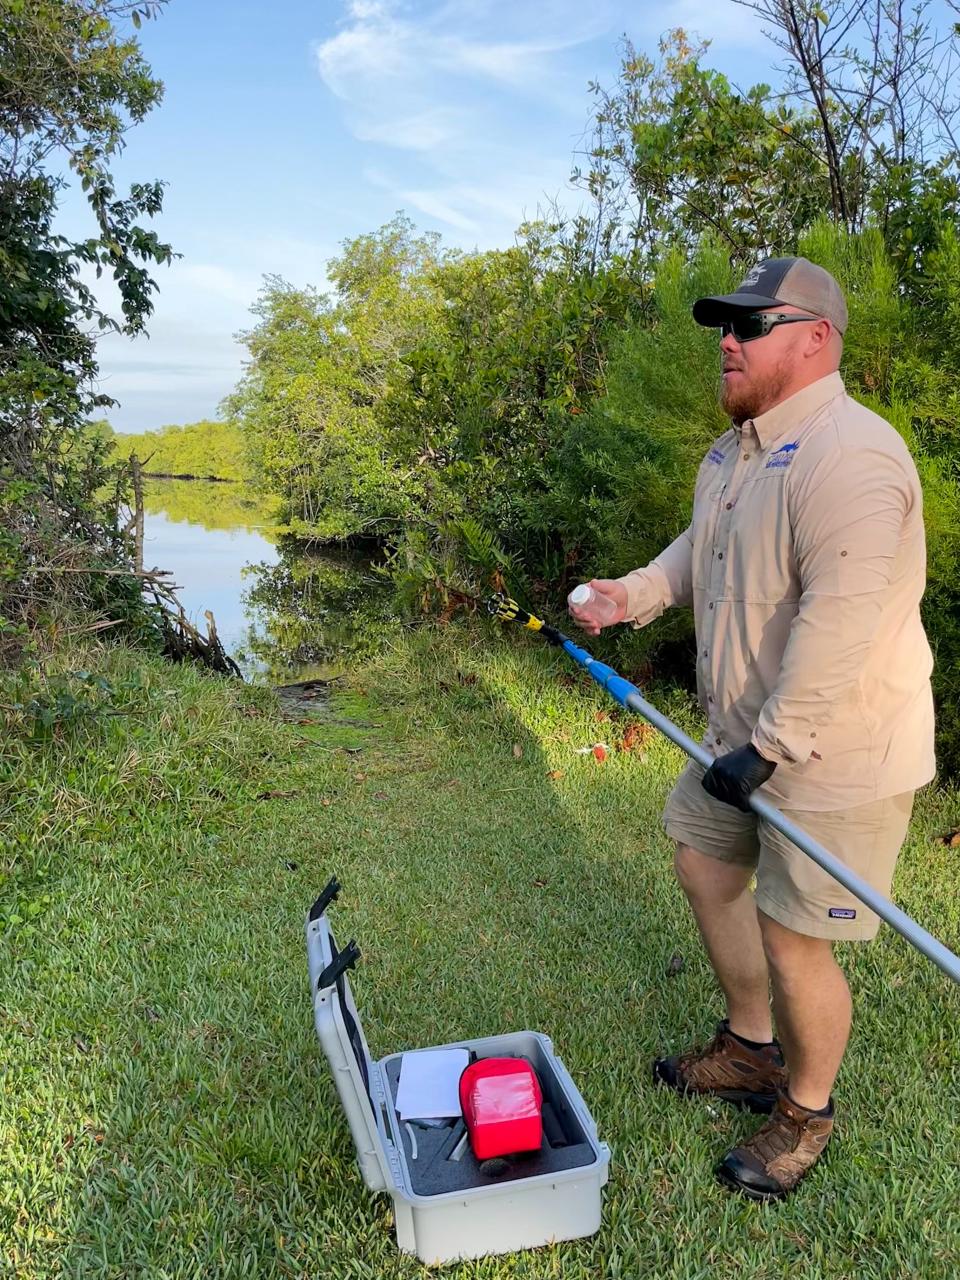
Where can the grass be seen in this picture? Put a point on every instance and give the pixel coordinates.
(165, 1109)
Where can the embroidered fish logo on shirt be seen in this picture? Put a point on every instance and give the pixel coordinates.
(783, 456)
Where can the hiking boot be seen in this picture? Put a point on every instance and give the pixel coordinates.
(728, 1069)
(780, 1153)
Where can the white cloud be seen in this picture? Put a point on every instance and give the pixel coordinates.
(487, 216)
(468, 87)
(464, 111)
(189, 358)
(377, 45)
(421, 131)
(488, 98)
(434, 205)
(374, 46)
(181, 361)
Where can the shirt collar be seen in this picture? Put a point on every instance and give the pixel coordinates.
(790, 413)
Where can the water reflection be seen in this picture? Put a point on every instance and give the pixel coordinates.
(284, 611)
(204, 537)
(315, 612)
(210, 505)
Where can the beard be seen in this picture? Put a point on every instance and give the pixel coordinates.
(751, 397)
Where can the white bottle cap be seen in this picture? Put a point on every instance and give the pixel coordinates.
(580, 595)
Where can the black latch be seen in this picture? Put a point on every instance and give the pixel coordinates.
(342, 961)
(326, 897)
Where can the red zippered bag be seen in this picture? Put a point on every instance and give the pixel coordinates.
(501, 1103)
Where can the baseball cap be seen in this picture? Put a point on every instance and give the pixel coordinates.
(798, 282)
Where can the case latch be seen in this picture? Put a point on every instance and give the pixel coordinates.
(326, 897)
(342, 961)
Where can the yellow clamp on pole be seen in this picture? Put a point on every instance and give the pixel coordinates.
(509, 611)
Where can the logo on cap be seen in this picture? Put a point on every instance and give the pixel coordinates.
(753, 277)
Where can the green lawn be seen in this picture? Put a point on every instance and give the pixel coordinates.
(165, 1109)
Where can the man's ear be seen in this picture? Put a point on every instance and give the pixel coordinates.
(820, 334)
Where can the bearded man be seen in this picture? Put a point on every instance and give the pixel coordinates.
(805, 565)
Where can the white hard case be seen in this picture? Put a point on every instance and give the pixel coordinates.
(449, 1209)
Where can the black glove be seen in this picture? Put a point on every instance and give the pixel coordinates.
(733, 777)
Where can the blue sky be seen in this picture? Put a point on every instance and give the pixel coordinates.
(287, 128)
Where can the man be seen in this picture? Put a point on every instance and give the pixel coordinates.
(805, 565)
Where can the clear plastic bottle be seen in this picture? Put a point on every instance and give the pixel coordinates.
(592, 604)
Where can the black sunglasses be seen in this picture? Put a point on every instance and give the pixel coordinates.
(757, 324)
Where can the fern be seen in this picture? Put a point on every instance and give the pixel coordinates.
(499, 568)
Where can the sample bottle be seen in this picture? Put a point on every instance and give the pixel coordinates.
(594, 606)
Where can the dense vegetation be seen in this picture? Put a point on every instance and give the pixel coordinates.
(204, 450)
(540, 412)
(227, 506)
(72, 82)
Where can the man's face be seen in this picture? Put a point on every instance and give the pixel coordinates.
(757, 375)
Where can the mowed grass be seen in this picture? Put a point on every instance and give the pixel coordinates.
(166, 1111)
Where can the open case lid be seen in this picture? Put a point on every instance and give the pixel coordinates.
(341, 1035)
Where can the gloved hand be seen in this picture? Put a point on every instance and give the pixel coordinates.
(734, 777)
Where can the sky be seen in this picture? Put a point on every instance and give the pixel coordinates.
(286, 129)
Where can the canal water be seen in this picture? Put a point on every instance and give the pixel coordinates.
(283, 610)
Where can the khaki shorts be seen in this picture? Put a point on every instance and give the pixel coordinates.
(791, 887)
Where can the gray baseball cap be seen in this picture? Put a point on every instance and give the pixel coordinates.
(798, 282)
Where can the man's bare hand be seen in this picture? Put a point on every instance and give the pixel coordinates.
(613, 591)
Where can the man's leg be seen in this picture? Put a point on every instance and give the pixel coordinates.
(812, 1006)
(802, 912)
(720, 897)
(741, 1064)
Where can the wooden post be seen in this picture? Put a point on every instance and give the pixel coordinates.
(136, 477)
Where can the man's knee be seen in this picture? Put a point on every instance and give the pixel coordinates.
(706, 879)
(687, 866)
(789, 953)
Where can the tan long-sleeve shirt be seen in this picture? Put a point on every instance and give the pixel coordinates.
(805, 563)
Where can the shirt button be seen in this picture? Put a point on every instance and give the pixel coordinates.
(720, 556)
(746, 457)
(729, 506)
(710, 605)
(705, 653)
(718, 741)
(813, 735)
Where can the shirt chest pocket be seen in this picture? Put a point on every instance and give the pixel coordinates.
(755, 543)
(706, 531)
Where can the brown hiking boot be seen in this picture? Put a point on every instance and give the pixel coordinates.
(779, 1154)
(728, 1069)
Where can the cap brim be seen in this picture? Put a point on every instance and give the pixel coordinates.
(713, 311)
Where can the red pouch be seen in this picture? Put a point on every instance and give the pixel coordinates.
(500, 1099)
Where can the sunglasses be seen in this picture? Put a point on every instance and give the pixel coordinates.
(757, 324)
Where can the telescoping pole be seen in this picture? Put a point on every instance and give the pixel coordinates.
(629, 696)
